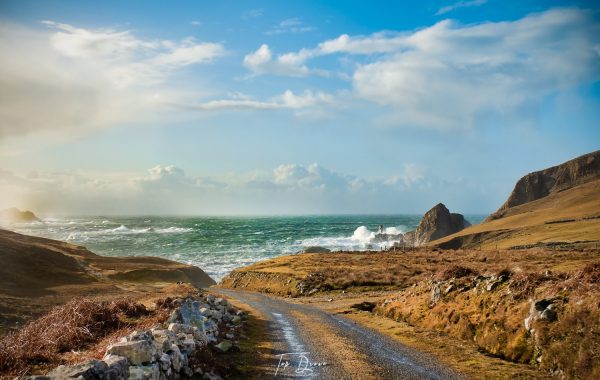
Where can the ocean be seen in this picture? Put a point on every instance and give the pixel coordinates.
(221, 244)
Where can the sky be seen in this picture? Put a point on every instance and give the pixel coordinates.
(311, 107)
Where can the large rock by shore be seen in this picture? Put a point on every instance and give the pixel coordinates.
(436, 223)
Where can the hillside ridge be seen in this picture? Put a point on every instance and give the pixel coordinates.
(541, 183)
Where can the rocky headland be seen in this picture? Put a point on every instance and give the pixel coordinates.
(555, 207)
(435, 224)
(540, 184)
(14, 215)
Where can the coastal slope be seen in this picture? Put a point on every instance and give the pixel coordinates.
(555, 207)
(38, 273)
(542, 183)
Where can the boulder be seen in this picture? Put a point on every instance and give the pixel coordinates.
(136, 351)
(236, 320)
(436, 223)
(315, 250)
(177, 358)
(364, 306)
(146, 372)
(140, 335)
(164, 339)
(540, 310)
(94, 369)
(436, 294)
(187, 343)
(189, 313)
(180, 328)
(118, 367)
(224, 346)
(165, 362)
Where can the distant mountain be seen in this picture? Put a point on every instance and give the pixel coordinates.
(554, 207)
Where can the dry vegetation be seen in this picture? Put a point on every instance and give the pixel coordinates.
(37, 274)
(484, 297)
(569, 218)
(494, 316)
(392, 270)
(78, 330)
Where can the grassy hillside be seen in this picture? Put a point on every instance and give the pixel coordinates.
(37, 273)
(569, 218)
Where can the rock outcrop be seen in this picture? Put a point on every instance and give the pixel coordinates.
(14, 215)
(558, 178)
(165, 352)
(436, 223)
(315, 249)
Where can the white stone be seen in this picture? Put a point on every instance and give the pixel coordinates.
(165, 362)
(118, 366)
(176, 358)
(150, 372)
(137, 351)
(188, 343)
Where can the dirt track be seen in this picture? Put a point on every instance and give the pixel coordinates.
(304, 336)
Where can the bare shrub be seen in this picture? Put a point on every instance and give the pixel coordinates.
(455, 271)
(67, 327)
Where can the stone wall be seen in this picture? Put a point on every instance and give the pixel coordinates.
(163, 352)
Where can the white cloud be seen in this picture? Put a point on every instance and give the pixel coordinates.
(447, 75)
(253, 13)
(412, 174)
(103, 43)
(460, 4)
(451, 73)
(261, 56)
(287, 100)
(290, 25)
(70, 78)
(261, 62)
(376, 43)
(169, 189)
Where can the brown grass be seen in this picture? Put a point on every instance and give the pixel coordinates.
(398, 270)
(455, 271)
(65, 328)
(568, 218)
(572, 346)
(494, 319)
(491, 319)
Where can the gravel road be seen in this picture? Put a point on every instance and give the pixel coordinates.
(309, 343)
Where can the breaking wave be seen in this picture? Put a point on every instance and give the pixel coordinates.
(123, 230)
(361, 239)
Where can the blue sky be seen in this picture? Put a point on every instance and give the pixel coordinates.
(290, 107)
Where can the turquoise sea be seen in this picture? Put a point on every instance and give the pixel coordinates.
(220, 244)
